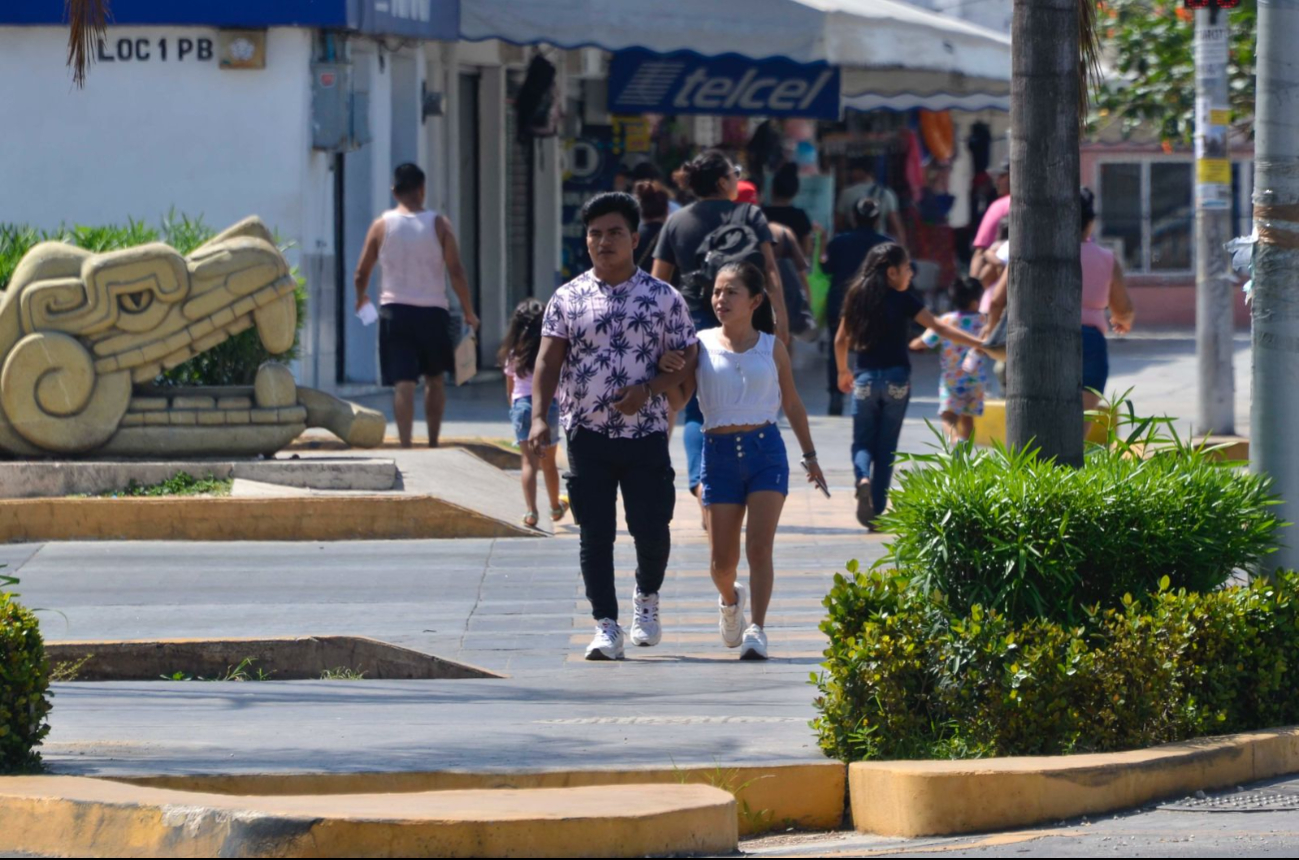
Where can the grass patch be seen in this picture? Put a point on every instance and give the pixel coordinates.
(180, 484)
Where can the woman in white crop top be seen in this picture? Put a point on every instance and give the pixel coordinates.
(744, 379)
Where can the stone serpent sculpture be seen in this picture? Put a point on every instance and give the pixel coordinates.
(83, 336)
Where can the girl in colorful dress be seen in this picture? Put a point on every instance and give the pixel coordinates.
(963, 383)
(518, 356)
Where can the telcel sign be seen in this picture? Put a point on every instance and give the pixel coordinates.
(641, 81)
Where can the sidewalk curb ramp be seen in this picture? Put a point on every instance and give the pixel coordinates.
(203, 518)
(811, 795)
(938, 798)
(286, 658)
(78, 816)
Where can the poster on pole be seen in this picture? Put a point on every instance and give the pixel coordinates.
(1212, 152)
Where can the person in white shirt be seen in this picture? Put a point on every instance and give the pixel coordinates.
(744, 379)
(416, 251)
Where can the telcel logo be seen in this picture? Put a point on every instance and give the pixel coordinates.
(702, 91)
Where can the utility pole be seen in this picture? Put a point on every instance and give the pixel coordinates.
(1274, 448)
(1214, 317)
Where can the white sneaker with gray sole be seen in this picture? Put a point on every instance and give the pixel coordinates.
(755, 644)
(731, 618)
(608, 641)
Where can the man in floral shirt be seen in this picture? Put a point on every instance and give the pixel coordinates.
(603, 336)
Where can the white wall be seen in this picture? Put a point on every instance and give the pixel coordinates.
(146, 136)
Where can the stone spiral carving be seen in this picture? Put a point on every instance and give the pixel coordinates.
(50, 388)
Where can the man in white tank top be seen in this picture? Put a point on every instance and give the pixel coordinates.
(417, 252)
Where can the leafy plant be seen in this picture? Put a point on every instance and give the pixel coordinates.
(1010, 531)
(69, 670)
(232, 362)
(728, 780)
(24, 684)
(245, 671)
(908, 676)
(342, 673)
(1149, 44)
(180, 484)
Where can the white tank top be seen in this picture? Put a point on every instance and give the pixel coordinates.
(413, 271)
(737, 388)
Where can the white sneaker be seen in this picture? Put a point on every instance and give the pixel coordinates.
(646, 632)
(755, 644)
(608, 641)
(731, 618)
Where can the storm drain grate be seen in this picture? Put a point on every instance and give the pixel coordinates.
(1270, 799)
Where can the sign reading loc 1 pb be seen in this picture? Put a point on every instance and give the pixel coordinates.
(642, 81)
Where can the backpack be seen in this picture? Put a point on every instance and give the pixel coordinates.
(732, 241)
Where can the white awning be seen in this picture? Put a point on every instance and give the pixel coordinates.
(903, 90)
(845, 33)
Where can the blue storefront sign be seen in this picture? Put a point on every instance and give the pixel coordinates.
(416, 19)
(642, 81)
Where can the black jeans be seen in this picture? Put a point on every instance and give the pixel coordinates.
(598, 467)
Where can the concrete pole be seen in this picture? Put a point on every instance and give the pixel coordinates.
(1274, 443)
(1214, 322)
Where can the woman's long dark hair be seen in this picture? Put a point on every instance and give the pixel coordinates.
(523, 339)
(863, 305)
(764, 318)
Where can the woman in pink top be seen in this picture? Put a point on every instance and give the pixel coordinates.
(1103, 287)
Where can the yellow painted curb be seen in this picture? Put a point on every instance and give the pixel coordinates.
(933, 798)
(991, 425)
(73, 816)
(809, 796)
(305, 518)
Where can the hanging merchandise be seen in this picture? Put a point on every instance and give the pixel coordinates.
(980, 144)
(914, 171)
(939, 134)
(536, 103)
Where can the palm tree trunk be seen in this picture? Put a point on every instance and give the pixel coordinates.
(1044, 342)
(86, 22)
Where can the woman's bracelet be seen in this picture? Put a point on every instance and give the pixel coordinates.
(810, 455)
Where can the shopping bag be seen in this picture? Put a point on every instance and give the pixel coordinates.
(466, 358)
(819, 283)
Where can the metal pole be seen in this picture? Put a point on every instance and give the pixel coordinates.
(1274, 448)
(1214, 316)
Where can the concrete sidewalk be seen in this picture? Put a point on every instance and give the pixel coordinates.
(514, 606)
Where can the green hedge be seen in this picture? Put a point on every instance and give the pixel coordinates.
(907, 676)
(24, 686)
(1032, 539)
(232, 362)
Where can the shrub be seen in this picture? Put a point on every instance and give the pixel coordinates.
(907, 676)
(24, 685)
(232, 362)
(1029, 538)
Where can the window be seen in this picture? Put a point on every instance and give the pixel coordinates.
(1147, 212)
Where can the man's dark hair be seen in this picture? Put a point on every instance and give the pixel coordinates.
(647, 170)
(862, 164)
(407, 178)
(785, 183)
(609, 203)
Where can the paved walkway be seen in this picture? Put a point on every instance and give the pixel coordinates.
(514, 606)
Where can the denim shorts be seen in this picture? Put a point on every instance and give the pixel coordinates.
(521, 418)
(737, 464)
(1096, 359)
